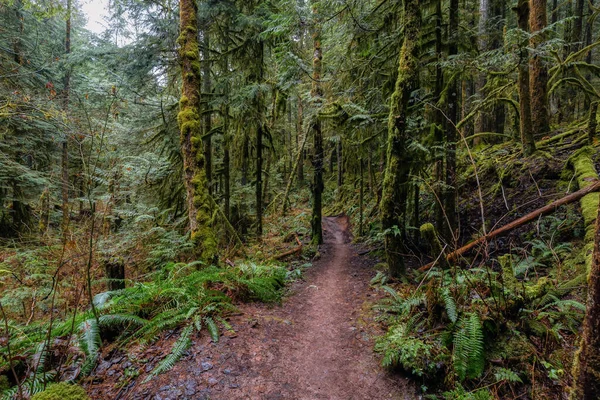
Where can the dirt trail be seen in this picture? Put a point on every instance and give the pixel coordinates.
(316, 346)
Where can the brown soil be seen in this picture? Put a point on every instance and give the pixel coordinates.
(317, 345)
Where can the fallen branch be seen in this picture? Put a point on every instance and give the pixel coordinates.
(550, 208)
(293, 251)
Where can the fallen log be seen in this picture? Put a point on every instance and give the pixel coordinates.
(548, 209)
(292, 251)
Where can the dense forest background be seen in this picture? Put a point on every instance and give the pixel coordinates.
(155, 175)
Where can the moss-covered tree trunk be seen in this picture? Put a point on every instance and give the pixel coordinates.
(317, 95)
(190, 126)
(395, 182)
(538, 79)
(526, 129)
(207, 88)
(586, 372)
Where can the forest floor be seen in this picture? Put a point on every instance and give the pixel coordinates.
(316, 345)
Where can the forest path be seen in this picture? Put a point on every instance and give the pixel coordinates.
(317, 345)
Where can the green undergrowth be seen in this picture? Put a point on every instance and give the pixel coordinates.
(502, 326)
(506, 324)
(192, 298)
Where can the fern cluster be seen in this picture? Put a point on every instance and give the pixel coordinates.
(458, 320)
(191, 297)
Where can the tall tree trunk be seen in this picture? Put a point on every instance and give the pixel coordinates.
(538, 79)
(65, 143)
(395, 183)
(190, 125)
(526, 129)
(340, 163)
(577, 38)
(586, 371)
(300, 134)
(439, 123)
(259, 143)
(317, 95)
(452, 137)
(207, 88)
(259, 163)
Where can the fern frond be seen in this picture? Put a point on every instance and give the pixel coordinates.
(177, 351)
(213, 330)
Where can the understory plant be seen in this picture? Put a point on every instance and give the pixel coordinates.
(500, 327)
(189, 297)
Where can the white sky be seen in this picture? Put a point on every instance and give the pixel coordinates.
(95, 10)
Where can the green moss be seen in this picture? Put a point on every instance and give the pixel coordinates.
(62, 391)
(585, 173)
(538, 289)
(4, 384)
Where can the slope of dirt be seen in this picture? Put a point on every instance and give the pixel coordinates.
(317, 345)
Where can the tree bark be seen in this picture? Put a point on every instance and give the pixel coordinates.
(65, 144)
(317, 95)
(207, 88)
(452, 136)
(190, 126)
(299, 134)
(526, 129)
(395, 183)
(538, 79)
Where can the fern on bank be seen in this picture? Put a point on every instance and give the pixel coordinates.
(468, 353)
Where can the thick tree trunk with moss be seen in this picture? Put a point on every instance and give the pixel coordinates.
(538, 79)
(317, 95)
(586, 371)
(207, 88)
(194, 166)
(395, 182)
(526, 129)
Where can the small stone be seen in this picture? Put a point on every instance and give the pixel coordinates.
(206, 366)
(234, 386)
(212, 381)
(190, 388)
(227, 371)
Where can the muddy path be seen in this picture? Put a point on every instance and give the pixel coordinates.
(317, 345)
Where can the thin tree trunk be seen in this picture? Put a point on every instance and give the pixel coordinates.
(538, 79)
(340, 163)
(526, 129)
(190, 125)
(259, 144)
(65, 144)
(397, 171)
(317, 95)
(300, 133)
(577, 33)
(451, 139)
